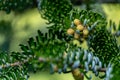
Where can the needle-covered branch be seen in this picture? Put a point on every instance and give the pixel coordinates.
(56, 48)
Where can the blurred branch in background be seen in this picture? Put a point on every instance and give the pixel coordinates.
(94, 5)
(79, 2)
(6, 34)
(23, 26)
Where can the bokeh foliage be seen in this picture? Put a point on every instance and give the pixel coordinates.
(5, 29)
(18, 6)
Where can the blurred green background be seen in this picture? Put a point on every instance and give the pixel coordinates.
(16, 28)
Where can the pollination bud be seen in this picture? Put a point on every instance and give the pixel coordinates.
(70, 31)
(89, 58)
(108, 71)
(85, 22)
(93, 64)
(76, 35)
(95, 69)
(86, 66)
(96, 60)
(76, 21)
(80, 27)
(85, 32)
(85, 55)
(76, 64)
(100, 64)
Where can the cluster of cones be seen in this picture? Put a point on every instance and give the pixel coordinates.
(78, 30)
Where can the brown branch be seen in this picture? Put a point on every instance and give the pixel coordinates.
(18, 63)
(41, 59)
